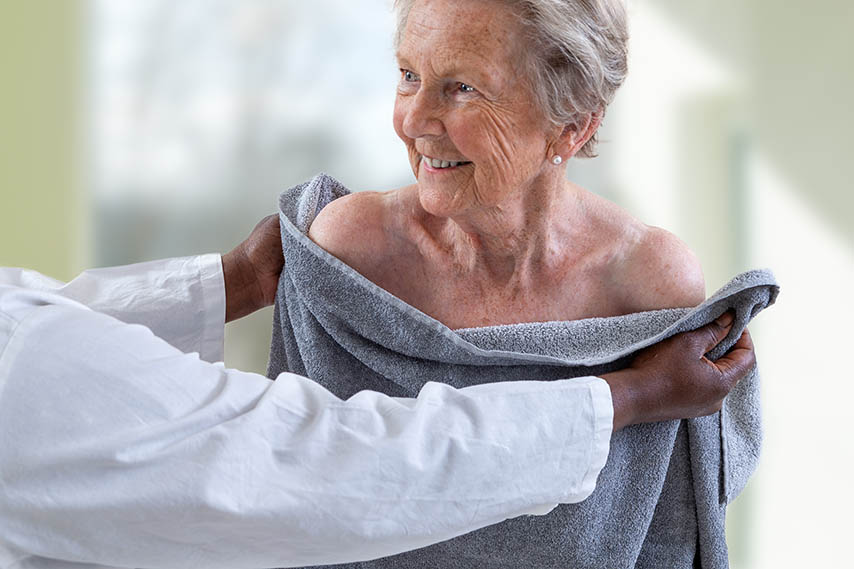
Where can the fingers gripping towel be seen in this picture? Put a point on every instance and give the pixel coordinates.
(659, 501)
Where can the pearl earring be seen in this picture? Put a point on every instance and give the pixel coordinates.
(557, 160)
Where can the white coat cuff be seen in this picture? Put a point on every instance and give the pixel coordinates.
(602, 408)
(212, 280)
(603, 411)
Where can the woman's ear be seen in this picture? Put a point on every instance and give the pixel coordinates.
(576, 135)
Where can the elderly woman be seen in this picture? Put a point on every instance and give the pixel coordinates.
(494, 99)
(499, 268)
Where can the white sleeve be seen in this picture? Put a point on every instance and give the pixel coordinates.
(181, 300)
(118, 449)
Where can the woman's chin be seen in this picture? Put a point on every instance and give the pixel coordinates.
(438, 199)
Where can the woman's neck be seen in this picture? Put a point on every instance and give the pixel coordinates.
(510, 242)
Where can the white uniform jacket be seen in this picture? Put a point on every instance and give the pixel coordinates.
(122, 446)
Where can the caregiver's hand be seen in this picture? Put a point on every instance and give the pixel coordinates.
(252, 270)
(673, 379)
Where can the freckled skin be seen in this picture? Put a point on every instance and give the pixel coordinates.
(497, 128)
(505, 238)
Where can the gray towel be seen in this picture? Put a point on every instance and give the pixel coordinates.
(660, 500)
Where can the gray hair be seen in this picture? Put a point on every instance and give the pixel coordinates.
(579, 55)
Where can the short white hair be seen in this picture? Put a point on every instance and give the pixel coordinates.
(579, 55)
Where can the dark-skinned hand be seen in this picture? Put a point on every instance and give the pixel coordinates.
(252, 270)
(674, 380)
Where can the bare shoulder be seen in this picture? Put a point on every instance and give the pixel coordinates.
(662, 272)
(352, 227)
(644, 267)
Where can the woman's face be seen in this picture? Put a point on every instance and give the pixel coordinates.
(463, 97)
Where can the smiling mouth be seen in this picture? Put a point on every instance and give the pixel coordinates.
(439, 164)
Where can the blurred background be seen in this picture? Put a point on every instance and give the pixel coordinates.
(132, 130)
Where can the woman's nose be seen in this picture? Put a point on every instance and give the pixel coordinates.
(423, 116)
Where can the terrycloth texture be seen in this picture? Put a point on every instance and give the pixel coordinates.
(664, 489)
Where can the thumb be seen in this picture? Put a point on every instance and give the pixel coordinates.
(713, 333)
(740, 359)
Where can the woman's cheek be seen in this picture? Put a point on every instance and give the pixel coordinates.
(500, 156)
(469, 138)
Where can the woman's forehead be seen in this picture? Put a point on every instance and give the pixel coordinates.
(478, 32)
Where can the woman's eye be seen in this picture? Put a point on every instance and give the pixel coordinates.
(409, 76)
(464, 88)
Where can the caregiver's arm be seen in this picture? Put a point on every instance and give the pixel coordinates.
(181, 300)
(118, 449)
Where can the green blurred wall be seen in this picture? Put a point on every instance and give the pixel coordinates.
(804, 69)
(41, 224)
(798, 58)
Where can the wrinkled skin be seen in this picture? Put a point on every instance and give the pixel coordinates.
(463, 96)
